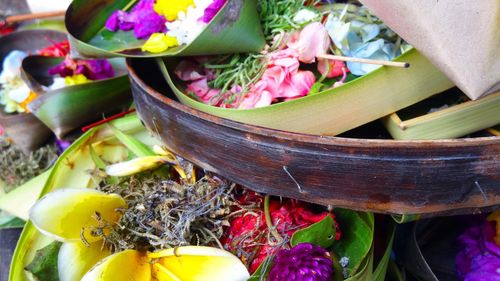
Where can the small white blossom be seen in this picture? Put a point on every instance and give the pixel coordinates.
(187, 26)
(304, 16)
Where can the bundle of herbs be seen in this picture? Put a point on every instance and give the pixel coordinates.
(17, 168)
(163, 213)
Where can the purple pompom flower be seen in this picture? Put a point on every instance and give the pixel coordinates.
(304, 262)
(212, 10)
(479, 257)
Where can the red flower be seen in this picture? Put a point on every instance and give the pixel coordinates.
(60, 49)
(248, 233)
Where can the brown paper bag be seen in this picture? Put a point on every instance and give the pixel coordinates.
(461, 37)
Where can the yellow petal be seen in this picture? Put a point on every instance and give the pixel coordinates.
(65, 213)
(159, 42)
(495, 216)
(195, 263)
(75, 259)
(129, 265)
(136, 165)
(171, 8)
(76, 79)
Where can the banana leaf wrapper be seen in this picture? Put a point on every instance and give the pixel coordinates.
(235, 29)
(461, 37)
(66, 109)
(427, 249)
(454, 121)
(71, 169)
(26, 131)
(337, 110)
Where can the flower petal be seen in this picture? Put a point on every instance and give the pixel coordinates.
(137, 165)
(126, 265)
(66, 214)
(75, 259)
(195, 263)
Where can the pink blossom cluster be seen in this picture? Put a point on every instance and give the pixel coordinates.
(282, 80)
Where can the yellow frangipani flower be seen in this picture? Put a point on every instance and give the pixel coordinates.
(159, 42)
(76, 79)
(171, 8)
(74, 215)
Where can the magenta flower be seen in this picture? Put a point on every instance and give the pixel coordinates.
(479, 258)
(92, 69)
(142, 19)
(212, 10)
(304, 262)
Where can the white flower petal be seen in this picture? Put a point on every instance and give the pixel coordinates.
(75, 259)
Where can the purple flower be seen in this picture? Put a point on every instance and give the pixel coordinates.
(62, 145)
(212, 10)
(142, 19)
(95, 69)
(479, 259)
(304, 262)
(120, 20)
(92, 69)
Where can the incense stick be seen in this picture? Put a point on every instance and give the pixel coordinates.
(368, 61)
(25, 17)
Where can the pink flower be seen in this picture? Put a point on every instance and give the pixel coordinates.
(189, 71)
(299, 84)
(312, 41)
(336, 67)
(201, 89)
(255, 99)
(283, 79)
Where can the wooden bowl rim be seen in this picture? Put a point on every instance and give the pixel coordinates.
(308, 138)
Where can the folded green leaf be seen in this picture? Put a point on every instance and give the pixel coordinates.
(337, 110)
(356, 240)
(27, 132)
(383, 264)
(8, 221)
(71, 107)
(134, 145)
(454, 121)
(44, 266)
(236, 28)
(18, 201)
(321, 234)
(72, 170)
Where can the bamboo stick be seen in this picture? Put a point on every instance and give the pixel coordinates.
(26, 17)
(368, 61)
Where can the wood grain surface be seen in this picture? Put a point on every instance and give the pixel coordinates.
(385, 176)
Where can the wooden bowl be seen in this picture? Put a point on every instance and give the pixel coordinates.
(386, 176)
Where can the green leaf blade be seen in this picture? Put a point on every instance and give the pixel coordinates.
(44, 266)
(320, 234)
(236, 28)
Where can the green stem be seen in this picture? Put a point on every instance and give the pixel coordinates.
(269, 221)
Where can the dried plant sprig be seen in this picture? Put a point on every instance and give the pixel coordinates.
(17, 168)
(164, 214)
